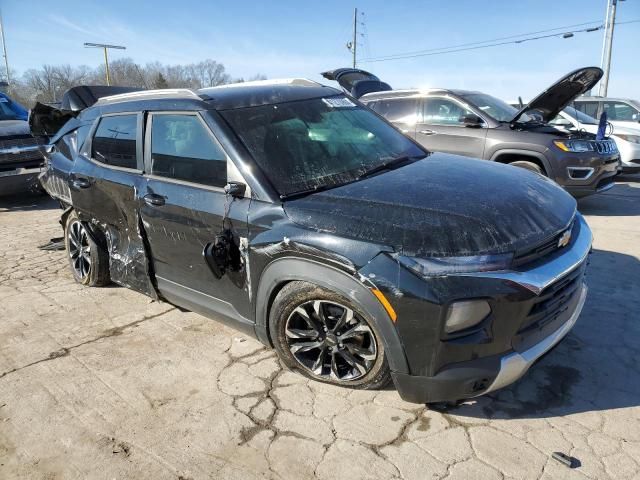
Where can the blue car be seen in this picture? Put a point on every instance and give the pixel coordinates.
(21, 159)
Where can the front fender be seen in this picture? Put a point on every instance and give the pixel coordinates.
(287, 269)
(525, 153)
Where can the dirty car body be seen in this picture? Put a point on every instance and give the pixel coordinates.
(219, 201)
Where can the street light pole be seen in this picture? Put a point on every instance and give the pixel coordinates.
(355, 35)
(106, 57)
(607, 46)
(4, 51)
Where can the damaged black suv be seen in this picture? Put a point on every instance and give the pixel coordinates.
(295, 214)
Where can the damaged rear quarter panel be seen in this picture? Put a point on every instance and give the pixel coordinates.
(110, 205)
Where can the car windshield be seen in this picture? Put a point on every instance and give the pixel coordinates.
(318, 143)
(494, 107)
(580, 117)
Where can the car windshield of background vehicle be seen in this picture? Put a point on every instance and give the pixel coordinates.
(494, 107)
(7, 112)
(319, 143)
(580, 117)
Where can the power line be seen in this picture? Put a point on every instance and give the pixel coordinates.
(560, 31)
(484, 41)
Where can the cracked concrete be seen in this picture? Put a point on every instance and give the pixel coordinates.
(105, 383)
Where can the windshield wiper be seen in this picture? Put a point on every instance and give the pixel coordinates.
(389, 164)
(306, 191)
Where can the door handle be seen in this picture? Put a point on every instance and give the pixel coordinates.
(80, 183)
(427, 132)
(154, 200)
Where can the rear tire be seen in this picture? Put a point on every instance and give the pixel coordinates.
(324, 336)
(89, 261)
(528, 166)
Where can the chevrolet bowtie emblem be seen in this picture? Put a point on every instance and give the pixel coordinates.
(564, 240)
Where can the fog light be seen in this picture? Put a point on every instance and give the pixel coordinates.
(465, 314)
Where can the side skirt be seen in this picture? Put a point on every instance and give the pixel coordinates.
(205, 305)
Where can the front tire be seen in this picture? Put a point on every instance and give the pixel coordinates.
(324, 336)
(89, 261)
(528, 166)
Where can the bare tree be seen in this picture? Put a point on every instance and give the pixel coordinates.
(67, 76)
(48, 83)
(43, 82)
(208, 73)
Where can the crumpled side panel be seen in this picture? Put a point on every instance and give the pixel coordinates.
(129, 263)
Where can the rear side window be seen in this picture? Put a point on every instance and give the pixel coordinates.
(396, 109)
(114, 142)
(590, 108)
(182, 148)
(441, 111)
(621, 111)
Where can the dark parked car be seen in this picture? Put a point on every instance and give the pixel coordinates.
(299, 216)
(21, 159)
(478, 125)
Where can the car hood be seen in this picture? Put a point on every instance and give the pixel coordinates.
(9, 128)
(356, 82)
(620, 130)
(550, 102)
(444, 205)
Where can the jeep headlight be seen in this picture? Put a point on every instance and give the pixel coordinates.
(576, 146)
(438, 266)
(629, 138)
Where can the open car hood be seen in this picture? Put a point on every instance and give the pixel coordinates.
(48, 119)
(555, 98)
(356, 82)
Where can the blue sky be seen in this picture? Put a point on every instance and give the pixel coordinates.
(296, 38)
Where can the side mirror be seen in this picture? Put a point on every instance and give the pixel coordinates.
(235, 189)
(472, 121)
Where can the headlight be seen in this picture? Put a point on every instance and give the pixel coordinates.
(436, 266)
(465, 314)
(575, 146)
(629, 138)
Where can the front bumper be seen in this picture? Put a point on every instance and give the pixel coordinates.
(19, 180)
(600, 178)
(629, 156)
(471, 378)
(515, 365)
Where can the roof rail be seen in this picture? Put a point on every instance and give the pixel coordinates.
(149, 94)
(304, 82)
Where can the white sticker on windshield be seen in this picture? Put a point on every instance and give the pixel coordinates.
(338, 102)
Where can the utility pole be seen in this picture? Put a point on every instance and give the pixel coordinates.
(106, 58)
(4, 51)
(355, 35)
(609, 24)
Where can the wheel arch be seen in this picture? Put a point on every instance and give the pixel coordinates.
(284, 270)
(507, 156)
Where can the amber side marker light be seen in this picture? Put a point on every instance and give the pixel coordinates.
(385, 303)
